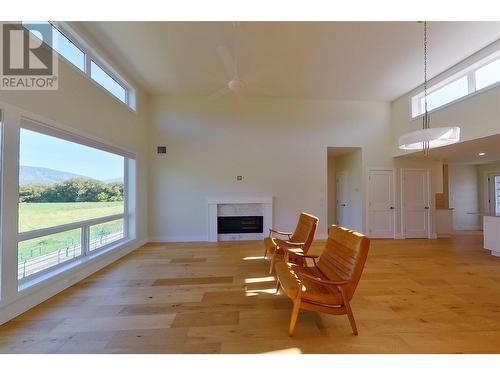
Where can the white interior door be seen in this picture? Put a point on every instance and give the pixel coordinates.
(415, 203)
(342, 199)
(381, 206)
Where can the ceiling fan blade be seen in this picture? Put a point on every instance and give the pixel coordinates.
(227, 61)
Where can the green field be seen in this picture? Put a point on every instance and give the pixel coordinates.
(43, 215)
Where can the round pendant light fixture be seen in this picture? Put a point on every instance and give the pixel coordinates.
(428, 137)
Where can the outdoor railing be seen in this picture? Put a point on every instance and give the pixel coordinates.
(39, 264)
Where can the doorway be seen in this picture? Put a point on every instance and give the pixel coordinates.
(345, 187)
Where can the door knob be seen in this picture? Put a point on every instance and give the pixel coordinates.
(426, 207)
(343, 205)
(392, 208)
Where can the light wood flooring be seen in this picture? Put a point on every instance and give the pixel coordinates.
(415, 296)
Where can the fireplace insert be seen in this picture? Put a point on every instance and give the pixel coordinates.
(239, 224)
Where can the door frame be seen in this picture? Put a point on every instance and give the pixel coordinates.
(429, 201)
(367, 197)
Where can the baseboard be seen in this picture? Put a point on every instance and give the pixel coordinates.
(178, 239)
(457, 229)
(36, 295)
(321, 236)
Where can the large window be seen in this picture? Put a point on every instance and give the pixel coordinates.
(88, 63)
(72, 201)
(481, 76)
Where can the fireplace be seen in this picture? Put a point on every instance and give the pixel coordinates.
(239, 224)
(239, 218)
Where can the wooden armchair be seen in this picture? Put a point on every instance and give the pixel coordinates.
(328, 285)
(300, 240)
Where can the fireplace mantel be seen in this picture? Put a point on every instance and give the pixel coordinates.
(238, 205)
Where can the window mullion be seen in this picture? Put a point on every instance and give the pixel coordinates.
(126, 212)
(87, 65)
(471, 81)
(85, 240)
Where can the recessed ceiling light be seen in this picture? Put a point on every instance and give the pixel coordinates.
(482, 153)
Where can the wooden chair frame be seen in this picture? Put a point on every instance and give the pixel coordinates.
(271, 231)
(284, 245)
(300, 303)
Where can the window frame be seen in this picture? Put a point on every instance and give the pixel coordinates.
(90, 54)
(88, 65)
(84, 225)
(415, 111)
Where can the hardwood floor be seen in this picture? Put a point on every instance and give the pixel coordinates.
(415, 296)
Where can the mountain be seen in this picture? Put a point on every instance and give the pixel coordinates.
(114, 180)
(39, 175)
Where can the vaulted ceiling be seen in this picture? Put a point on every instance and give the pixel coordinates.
(317, 60)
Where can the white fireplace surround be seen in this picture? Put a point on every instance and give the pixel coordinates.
(239, 206)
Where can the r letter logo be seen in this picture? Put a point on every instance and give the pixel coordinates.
(27, 58)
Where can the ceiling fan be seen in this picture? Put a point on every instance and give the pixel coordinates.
(235, 84)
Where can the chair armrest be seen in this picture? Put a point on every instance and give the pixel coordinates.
(271, 230)
(323, 281)
(299, 253)
(289, 244)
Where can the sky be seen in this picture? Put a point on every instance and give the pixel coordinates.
(40, 150)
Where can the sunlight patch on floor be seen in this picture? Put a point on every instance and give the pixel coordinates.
(285, 351)
(255, 292)
(252, 280)
(253, 258)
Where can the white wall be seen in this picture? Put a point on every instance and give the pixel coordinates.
(277, 145)
(464, 193)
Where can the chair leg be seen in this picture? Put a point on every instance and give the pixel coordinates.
(295, 315)
(265, 252)
(273, 260)
(278, 284)
(351, 318)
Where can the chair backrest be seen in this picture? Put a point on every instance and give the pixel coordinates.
(344, 256)
(305, 231)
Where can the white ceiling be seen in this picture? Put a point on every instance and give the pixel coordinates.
(466, 152)
(319, 60)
